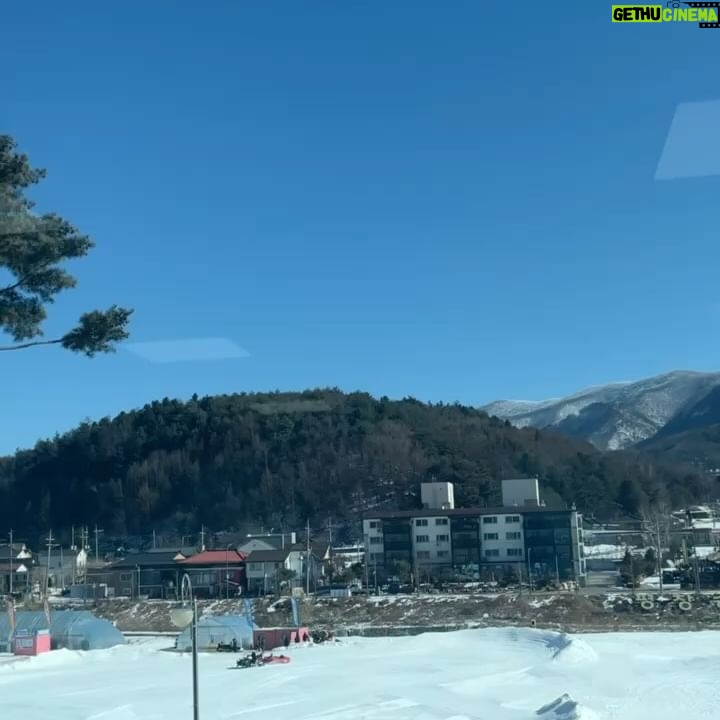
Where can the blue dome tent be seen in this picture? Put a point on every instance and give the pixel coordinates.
(74, 630)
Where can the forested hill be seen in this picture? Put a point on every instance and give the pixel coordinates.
(227, 460)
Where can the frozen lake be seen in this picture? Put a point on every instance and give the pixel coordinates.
(499, 674)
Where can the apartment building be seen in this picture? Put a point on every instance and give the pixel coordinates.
(443, 540)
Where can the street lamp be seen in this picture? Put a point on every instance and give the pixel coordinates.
(181, 616)
(227, 571)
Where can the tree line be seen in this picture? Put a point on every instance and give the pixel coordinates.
(283, 458)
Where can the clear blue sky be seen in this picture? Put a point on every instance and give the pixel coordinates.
(454, 201)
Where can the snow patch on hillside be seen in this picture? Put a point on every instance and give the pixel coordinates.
(622, 413)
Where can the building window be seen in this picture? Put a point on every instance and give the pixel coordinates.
(514, 552)
(443, 554)
(374, 557)
(375, 540)
(512, 519)
(441, 521)
(492, 553)
(421, 523)
(125, 577)
(374, 524)
(422, 538)
(512, 535)
(443, 538)
(490, 520)
(490, 536)
(423, 555)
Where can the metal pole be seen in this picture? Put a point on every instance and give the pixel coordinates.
(11, 563)
(227, 572)
(529, 563)
(97, 543)
(366, 560)
(47, 579)
(307, 560)
(557, 571)
(196, 707)
(659, 553)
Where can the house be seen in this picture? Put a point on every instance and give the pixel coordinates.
(17, 565)
(155, 575)
(267, 541)
(64, 566)
(268, 570)
(216, 573)
(440, 540)
(345, 556)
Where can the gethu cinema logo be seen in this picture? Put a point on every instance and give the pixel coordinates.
(658, 13)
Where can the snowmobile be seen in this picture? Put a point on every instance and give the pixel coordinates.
(259, 660)
(232, 647)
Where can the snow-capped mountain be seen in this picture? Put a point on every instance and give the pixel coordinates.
(613, 416)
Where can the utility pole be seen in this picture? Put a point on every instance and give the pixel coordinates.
(330, 530)
(658, 550)
(530, 573)
(97, 543)
(202, 538)
(366, 557)
(50, 547)
(62, 567)
(154, 540)
(11, 562)
(307, 559)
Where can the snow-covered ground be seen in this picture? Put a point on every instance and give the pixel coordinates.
(502, 674)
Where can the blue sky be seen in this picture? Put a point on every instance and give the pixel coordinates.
(454, 201)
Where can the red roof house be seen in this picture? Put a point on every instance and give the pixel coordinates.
(216, 573)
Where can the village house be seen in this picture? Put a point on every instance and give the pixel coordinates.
(63, 566)
(269, 569)
(17, 564)
(216, 573)
(154, 575)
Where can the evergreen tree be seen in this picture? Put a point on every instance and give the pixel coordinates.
(33, 250)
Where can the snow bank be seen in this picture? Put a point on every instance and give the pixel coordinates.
(572, 650)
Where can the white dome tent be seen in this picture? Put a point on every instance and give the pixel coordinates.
(215, 629)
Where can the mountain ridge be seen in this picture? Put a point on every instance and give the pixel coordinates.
(615, 415)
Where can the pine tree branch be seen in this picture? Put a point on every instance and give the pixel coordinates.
(23, 346)
(23, 279)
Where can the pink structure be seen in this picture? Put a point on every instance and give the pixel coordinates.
(31, 642)
(272, 638)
